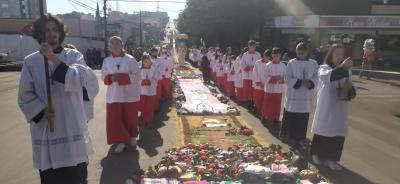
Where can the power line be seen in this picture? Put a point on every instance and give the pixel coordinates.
(151, 1)
(73, 5)
(83, 5)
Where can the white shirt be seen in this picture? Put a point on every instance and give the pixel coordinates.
(249, 59)
(226, 60)
(331, 112)
(229, 68)
(259, 74)
(270, 71)
(152, 75)
(158, 64)
(70, 143)
(219, 68)
(237, 67)
(299, 100)
(126, 93)
(167, 66)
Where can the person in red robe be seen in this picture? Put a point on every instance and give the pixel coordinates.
(121, 75)
(273, 88)
(148, 86)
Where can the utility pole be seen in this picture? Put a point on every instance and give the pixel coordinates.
(140, 28)
(105, 28)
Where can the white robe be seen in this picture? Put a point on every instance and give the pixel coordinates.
(167, 66)
(259, 74)
(331, 112)
(153, 76)
(219, 68)
(158, 64)
(237, 67)
(70, 143)
(270, 71)
(126, 93)
(249, 59)
(299, 100)
(225, 61)
(229, 68)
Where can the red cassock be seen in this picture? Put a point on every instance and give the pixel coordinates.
(121, 117)
(166, 88)
(247, 89)
(271, 106)
(258, 96)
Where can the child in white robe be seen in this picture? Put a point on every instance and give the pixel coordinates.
(335, 90)
(259, 82)
(148, 90)
(248, 60)
(237, 68)
(226, 61)
(273, 88)
(301, 77)
(166, 74)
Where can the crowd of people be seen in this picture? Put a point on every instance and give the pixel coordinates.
(258, 82)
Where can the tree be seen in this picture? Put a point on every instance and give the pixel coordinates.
(227, 22)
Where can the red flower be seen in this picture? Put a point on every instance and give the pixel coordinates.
(204, 158)
(211, 165)
(279, 157)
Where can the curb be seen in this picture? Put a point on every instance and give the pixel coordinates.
(379, 74)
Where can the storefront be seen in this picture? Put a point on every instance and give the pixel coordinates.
(351, 31)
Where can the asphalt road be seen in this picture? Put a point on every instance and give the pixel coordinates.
(371, 153)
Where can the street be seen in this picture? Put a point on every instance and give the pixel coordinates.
(371, 151)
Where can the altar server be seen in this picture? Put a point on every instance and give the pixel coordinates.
(237, 71)
(248, 60)
(166, 73)
(258, 81)
(148, 90)
(335, 90)
(226, 61)
(121, 74)
(61, 155)
(273, 88)
(301, 78)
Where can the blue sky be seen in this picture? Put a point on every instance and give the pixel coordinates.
(66, 6)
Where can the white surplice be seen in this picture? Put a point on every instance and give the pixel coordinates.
(70, 143)
(299, 100)
(126, 65)
(331, 112)
(248, 60)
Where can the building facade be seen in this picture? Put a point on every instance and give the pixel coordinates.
(20, 8)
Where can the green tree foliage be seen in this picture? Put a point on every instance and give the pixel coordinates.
(228, 22)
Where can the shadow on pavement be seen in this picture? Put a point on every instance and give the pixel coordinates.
(117, 167)
(344, 176)
(150, 138)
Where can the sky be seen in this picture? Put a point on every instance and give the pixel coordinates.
(66, 6)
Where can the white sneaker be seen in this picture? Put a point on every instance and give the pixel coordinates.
(333, 165)
(133, 142)
(316, 159)
(120, 147)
